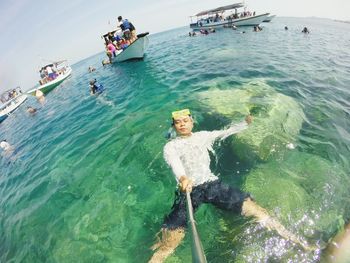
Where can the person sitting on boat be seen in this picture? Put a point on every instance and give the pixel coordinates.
(123, 43)
(188, 157)
(110, 37)
(111, 48)
(43, 76)
(216, 19)
(109, 55)
(305, 30)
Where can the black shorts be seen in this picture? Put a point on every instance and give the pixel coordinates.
(217, 193)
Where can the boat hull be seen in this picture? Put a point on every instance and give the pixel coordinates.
(46, 88)
(135, 51)
(269, 18)
(244, 21)
(11, 106)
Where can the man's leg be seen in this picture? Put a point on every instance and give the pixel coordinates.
(250, 208)
(173, 231)
(230, 198)
(170, 240)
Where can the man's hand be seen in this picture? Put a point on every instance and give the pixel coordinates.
(185, 184)
(249, 119)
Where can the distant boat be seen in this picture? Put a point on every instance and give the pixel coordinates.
(218, 18)
(136, 50)
(269, 18)
(59, 71)
(11, 100)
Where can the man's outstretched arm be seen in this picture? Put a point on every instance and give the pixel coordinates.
(233, 129)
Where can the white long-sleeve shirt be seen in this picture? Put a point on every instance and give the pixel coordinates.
(189, 156)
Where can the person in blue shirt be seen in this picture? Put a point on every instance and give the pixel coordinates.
(125, 26)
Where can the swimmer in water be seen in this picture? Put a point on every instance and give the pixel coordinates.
(305, 30)
(7, 149)
(31, 110)
(40, 96)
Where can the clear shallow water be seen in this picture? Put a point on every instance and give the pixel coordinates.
(88, 182)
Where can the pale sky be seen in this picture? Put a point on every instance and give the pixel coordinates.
(36, 31)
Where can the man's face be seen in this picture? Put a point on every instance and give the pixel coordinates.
(183, 125)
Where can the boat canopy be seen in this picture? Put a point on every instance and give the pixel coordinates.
(106, 35)
(54, 63)
(220, 9)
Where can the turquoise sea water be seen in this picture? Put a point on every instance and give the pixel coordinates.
(88, 183)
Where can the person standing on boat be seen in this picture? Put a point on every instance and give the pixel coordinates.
(188, 157)
(133, 32)
(50, 72)
(125, 26)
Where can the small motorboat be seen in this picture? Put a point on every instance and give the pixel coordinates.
(136, 50)
(11, 100)
(52, 75)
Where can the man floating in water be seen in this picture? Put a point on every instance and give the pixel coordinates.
(188, 157)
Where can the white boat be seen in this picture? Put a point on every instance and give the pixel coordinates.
(61, 72)
(11, 100)
(224, 16)
(136, 50)
(269, 18)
